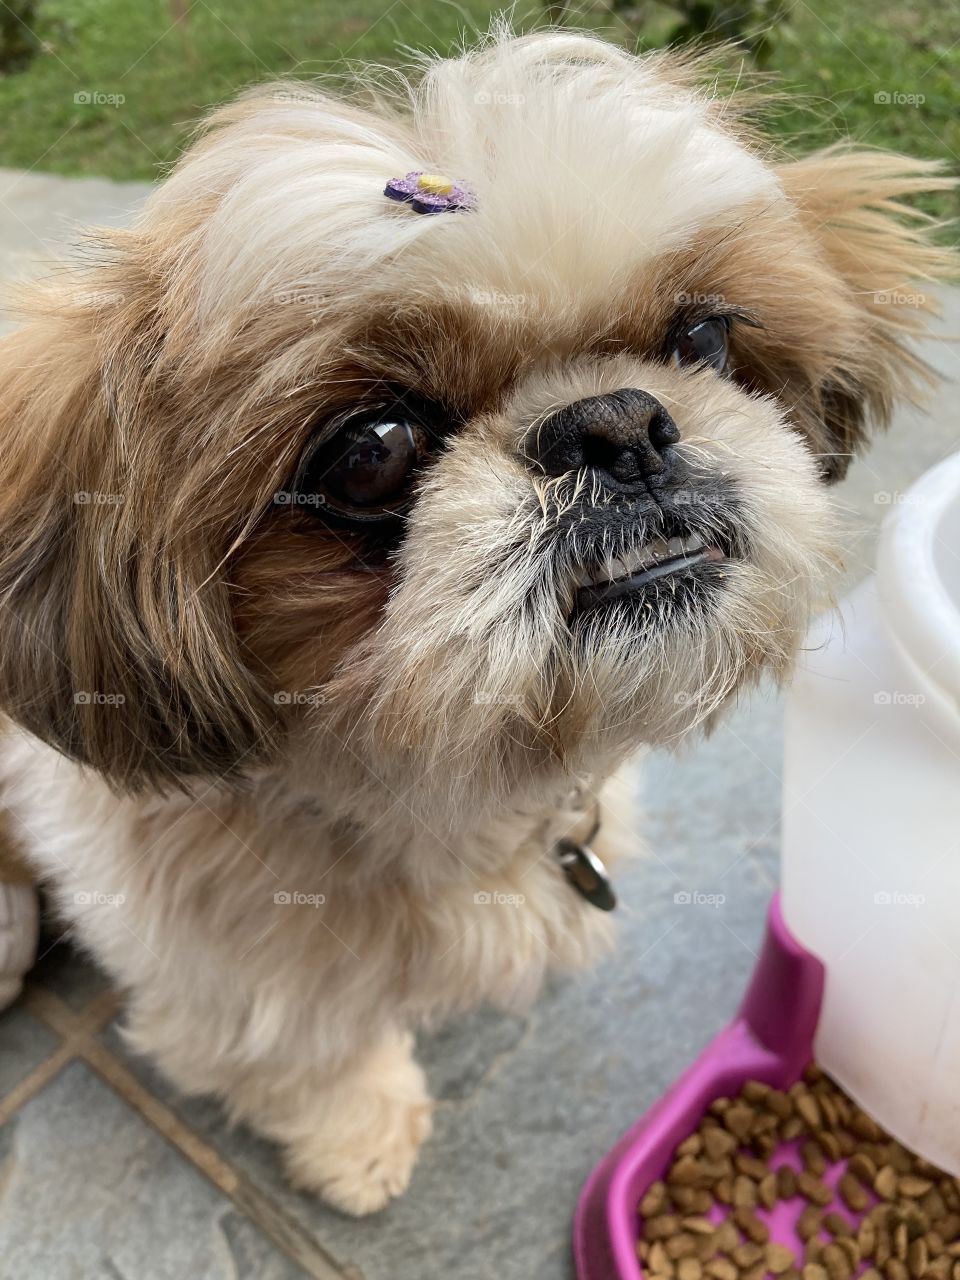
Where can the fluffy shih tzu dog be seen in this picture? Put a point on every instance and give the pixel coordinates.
(409, 465)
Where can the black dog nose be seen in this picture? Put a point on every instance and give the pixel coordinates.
(625, 435)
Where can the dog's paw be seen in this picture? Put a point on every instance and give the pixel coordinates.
(362, 1153)
(366, 1178)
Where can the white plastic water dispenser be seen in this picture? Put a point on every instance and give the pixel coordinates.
(871, 824)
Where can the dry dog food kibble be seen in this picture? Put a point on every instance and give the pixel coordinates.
(865, 1206)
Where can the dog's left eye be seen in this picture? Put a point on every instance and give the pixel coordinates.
(365, 471)
(705, 343)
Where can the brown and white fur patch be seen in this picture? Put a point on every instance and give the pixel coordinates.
(294, 780)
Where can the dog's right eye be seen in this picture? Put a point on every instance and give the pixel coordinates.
(365, 471)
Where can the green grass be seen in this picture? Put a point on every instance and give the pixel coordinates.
(832, 57)
(170, 72)
(840, 56)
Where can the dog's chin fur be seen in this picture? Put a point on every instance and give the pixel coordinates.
(220, 701)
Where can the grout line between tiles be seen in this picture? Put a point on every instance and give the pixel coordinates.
(73, 1031)
(78, 1032)
(41, 1075)
(59, 1017)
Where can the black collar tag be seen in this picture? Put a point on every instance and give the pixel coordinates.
(586, 873)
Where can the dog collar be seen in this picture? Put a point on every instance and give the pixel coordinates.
(584, 871)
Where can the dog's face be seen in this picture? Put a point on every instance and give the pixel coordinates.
(462, 496)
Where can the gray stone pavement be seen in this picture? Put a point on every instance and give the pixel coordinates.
(105, 1172)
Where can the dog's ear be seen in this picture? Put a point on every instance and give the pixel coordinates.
(116, 642)
(884, 255)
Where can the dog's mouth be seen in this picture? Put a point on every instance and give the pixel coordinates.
(619, 576)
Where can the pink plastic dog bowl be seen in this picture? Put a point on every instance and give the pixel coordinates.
(770, 1039)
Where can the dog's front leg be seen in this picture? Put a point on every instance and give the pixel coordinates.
(350, 1132)
(353, 1138)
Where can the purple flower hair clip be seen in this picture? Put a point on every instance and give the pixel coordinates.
(430, 193)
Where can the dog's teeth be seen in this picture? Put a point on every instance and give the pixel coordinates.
(651, 553)
(683, 546)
